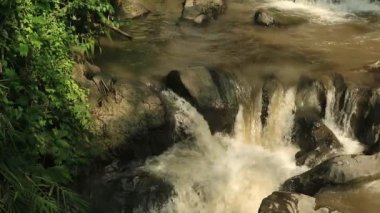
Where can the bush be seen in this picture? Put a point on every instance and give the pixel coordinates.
(44, 116)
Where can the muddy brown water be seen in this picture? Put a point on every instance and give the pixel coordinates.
(331, 40)
(162, 43)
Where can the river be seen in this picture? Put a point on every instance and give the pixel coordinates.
(233, 173)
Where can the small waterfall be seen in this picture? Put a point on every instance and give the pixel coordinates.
(280, 118)
(332, 120)
(221, 173)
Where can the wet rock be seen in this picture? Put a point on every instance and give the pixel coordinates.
(340, 170)
(213, 93)
(285, 202)
(311, 97)
(273, 17)
(263, 18)
(374, 67)
(355, 109)
(133, 9)
(210, 9)
(127, 189)
(201, 19)
(131, 120)
(269, 88)
(134, 121)
(340, 91)
(371, 129)
(352, 105)
(315, 140)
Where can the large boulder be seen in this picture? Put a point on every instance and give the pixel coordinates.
(213, 93)
(131, 118)
(340, 170)
(315, 140)
(285, 202)
(126, 189)
(134, 120)
(274, 17)
(202, 10)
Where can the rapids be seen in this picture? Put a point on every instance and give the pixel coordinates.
(233, 173)
(223, 173)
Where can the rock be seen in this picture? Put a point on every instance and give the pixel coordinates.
(315, 140)
(340, 87)
(274, 17)
(340, 170)
(91, 70)
(201, 19)
(134, 121)
(133, 9)
(311, 97)
(211, 9)
(374, 67)
(213, 93)
(105, 85)
(371, 129)
(131, 119)
(285, 202)
(269, 88)
(127, 189)
(355, 108)
(263, 18)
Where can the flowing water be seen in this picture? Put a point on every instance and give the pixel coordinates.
(233, 173)
(221, 173)
(339, 37)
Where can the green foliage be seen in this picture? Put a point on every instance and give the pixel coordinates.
(44, 115)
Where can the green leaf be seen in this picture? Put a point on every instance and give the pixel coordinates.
(23, 49)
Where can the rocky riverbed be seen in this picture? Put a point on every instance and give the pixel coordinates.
(238, 106)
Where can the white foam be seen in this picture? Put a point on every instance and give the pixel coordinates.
(220, 173)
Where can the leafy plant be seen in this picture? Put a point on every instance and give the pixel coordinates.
(44, 116)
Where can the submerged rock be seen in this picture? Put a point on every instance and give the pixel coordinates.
(285, 202)
(339, 170)
(213, 93)
(263, 18)
(273, 17)
(133, 9)
(201, 10)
